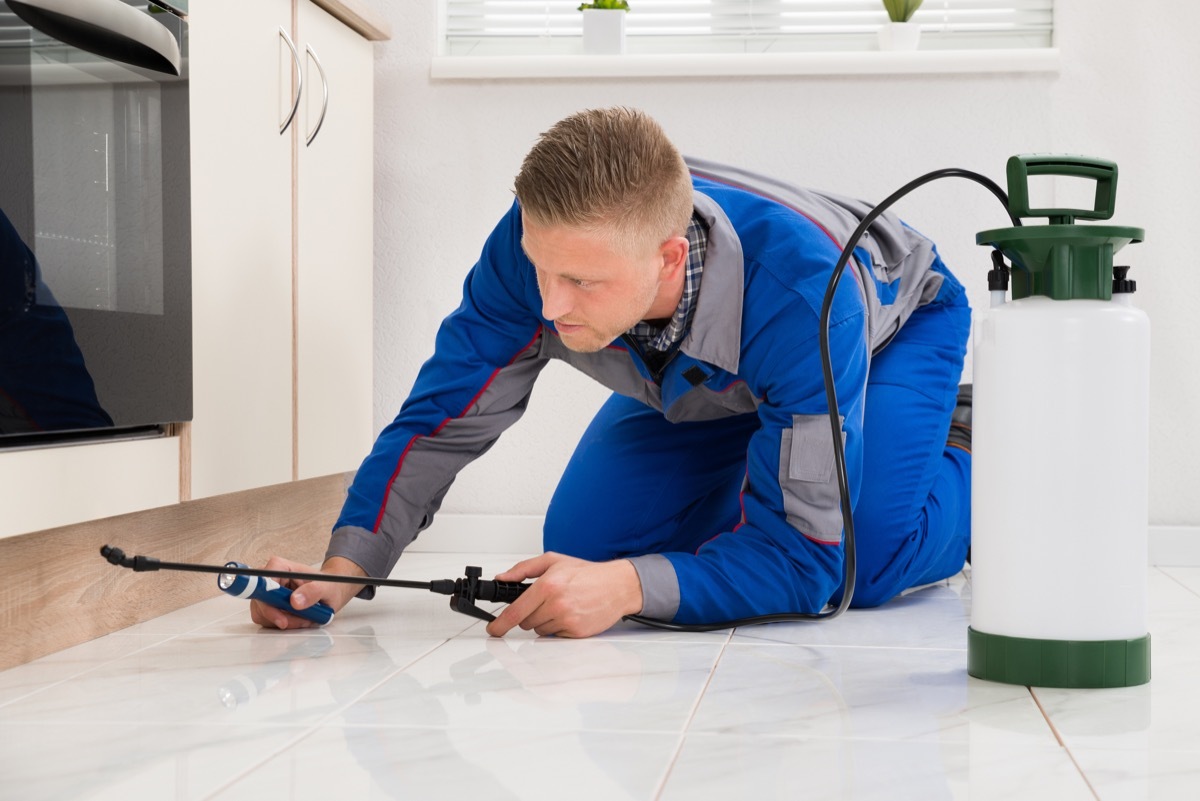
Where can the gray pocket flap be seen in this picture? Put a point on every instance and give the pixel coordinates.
(811, 457)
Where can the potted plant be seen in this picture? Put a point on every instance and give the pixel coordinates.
(604, 26)
(900, 33)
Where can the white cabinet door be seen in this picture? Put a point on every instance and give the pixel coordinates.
(242, 73)
(335, 253)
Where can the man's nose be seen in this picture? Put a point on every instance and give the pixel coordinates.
(556, 299)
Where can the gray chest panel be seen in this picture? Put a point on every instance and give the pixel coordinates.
(614, 368)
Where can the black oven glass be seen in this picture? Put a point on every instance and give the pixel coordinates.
(95, 249)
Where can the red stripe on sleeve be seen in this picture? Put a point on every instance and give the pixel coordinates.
(387, 493)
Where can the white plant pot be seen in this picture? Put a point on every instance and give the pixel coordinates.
(603, 31)
(900, 36)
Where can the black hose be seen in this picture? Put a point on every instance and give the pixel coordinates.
(850, 562)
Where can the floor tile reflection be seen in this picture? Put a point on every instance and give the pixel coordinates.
(289, 678)
(536, 684)
(861, 693)
(86, 761)
(742, 768)
(936, 616)
(420, 763)
(402, 698)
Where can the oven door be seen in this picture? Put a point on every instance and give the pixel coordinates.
(95, 249)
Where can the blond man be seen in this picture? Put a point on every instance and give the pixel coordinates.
(704, 489)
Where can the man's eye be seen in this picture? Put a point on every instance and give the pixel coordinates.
(579, 282)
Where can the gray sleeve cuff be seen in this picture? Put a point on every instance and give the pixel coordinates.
(371, 552)
(660, 586)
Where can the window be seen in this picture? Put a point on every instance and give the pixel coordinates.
(554, 27)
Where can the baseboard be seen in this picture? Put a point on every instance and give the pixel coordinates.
(1175, 546)
(462, 533)
(59, 592)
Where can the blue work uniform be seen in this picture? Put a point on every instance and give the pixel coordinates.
(714, 474)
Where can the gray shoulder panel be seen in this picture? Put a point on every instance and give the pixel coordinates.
(898, 253)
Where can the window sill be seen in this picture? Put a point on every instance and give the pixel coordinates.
(920, 62)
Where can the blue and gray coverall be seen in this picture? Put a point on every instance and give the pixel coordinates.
(716, 476)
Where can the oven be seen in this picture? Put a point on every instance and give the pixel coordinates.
(95, 246)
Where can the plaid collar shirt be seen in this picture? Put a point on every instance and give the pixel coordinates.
(652, 337)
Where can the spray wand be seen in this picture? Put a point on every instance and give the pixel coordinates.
(234, 578)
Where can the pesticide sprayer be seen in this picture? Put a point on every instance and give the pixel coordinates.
(1059, 474)
(1059, 454)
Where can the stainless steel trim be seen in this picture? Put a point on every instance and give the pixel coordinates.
(299, 80)
(324, 95)
(108, 28)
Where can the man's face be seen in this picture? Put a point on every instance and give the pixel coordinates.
(593, 293)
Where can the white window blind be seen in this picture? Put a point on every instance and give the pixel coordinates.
(528, 27)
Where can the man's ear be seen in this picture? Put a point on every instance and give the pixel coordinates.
(674, 254)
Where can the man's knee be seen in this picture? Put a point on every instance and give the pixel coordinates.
(868, 595)
(573, 535)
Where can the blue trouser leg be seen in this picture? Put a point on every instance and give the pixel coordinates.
(638, 484)
(913, 517)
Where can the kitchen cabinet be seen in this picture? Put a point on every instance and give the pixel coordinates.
(281, 275)
(282, 243)
(241, 246)
(335, 213)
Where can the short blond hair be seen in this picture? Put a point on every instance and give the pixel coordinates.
(611, 171)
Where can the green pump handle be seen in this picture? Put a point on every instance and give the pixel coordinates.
(1022, 166)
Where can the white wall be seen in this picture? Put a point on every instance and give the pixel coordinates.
(1129, 90)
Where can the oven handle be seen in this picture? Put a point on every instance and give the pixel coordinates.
(324, 94)
(106, 28)
(299, 80)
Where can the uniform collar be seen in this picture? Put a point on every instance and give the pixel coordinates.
(716, 331)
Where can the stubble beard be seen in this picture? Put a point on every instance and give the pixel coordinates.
(594, 340)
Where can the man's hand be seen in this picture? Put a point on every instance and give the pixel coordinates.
(307, 593)
(571, 598)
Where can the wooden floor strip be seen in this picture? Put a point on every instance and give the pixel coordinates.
(58, 591)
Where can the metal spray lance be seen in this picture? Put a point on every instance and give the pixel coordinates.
(463, 592)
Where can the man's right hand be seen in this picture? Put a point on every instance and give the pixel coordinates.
(306, 593)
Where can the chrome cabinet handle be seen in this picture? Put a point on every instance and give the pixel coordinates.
(299, 80)
(324, 95)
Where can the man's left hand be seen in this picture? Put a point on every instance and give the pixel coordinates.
(571, 597)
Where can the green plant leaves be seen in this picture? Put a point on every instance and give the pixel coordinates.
(617, 5)
(901, 10)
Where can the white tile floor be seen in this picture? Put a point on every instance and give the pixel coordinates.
(401, 698)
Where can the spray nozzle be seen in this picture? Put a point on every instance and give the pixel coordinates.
(1121, 284)
(998, 275)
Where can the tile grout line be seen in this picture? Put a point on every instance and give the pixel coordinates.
(662, 784)
(317, 724)
(166, 638)
(1062, 743)
(1177, 581)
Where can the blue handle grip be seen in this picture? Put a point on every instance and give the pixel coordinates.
(270, 592)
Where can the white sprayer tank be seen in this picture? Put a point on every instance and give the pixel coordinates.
(1060, 425)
